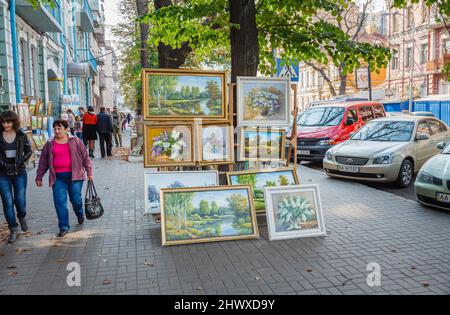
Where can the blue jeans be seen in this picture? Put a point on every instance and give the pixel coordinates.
(18, 184)
(63, 186)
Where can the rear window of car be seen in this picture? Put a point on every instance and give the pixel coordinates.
(436, 127)
(366, 113)
(378, 111)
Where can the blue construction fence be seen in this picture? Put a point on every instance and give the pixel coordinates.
(440, 108)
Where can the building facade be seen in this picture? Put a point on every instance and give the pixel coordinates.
(421, 47)
(51, 52)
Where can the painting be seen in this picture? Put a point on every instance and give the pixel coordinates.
(259, 179)
(294, 211)
(34, 122)
(154, 181)
(195, 215)
(38, 142)
(49, 108)
(39, 122)
(32, 106)
(168, 145)
(33, 146)
(24, 115)
(261, 144)
(216, 144)
(184, 95)
(263, 101)
(44, 123)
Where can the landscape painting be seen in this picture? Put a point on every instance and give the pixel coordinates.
(38, 141)
(194, 215)
(184, 95)
(294, 211)
(167, 145)
(259, 179)
(262, 144)
(24, 115)
(216, 144)
(155, 181)
(263, 102)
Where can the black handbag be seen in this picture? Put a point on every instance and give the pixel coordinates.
(93, 208)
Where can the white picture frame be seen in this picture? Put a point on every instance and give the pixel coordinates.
(152, 205)
(275, 197)
(246, 116)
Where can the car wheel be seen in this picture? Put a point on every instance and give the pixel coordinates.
(405, 174)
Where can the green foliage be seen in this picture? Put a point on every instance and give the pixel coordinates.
(36, 2)
(204, 208)
(283, 180)
(239, 204)
(247, 179)
(293, 211)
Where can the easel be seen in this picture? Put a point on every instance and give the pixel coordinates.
(293, 140)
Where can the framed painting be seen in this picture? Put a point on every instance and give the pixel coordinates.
(216, 144)
(263, 101)
(39, 122)
(168, 145)
(154, 181)
(38, 142)
(44, 123)
(207, 214)
(259, 179)
(294, 211)
(173, 94)
(32, 106)
(24, 115)
(33, 146)
(261, 144)
(34, 122)
(49, 108)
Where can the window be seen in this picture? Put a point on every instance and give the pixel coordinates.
(446, 47)
(33, 74)
(307, 79)
(394, 23)
(408, 57)
(352, 114)
(410, 16)
(425, 14)
(424, 53)
(366, 113)
(378, 111)
(436, 127)
(423, 128)
(395, 61)
(24, 67)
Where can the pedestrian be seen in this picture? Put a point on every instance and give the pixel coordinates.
(78, 127)
(67, 161)
(90, 129)
(15, 150)
(82, 111)
(104, 129)
(65, 115)
(71, 121)
(117, 120)
(128, 118)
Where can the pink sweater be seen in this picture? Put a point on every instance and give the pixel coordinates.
(62, 162)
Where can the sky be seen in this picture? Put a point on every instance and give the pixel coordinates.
(112, 17)
(219, 196)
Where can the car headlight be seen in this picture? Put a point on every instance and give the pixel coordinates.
(425, 177)
(384, 159)
(326, 142)
(329, 156)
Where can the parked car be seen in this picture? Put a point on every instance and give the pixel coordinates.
(389, 149)
(432, 185)
(323, 126)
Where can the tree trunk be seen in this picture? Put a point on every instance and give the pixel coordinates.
(244, 41)
(142, 9)
(343, 82)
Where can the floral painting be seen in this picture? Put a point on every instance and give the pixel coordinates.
(207, 214)
(217, 144)
(168, 145)
(263, 102)
(184, 94)
(155, 181)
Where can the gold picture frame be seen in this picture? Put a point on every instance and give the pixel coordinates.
(196, 224)
(256, 153)
(152, 152)
(258, 189)
(193, 91)
(23, 112)
(38, 142)
(202, 146)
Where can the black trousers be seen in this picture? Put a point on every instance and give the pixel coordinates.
(105, 139)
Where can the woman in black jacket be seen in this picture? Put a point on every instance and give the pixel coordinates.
(15, 150)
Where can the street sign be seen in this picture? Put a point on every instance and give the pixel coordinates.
(285, 70)
(362, 78)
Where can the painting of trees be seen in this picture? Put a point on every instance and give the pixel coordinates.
(248, 179)
(283, 180)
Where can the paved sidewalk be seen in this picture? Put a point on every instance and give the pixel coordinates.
(121, 252)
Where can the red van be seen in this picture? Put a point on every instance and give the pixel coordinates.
(322, 126)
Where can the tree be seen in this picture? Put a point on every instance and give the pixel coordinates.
(204, 208)
(283, 180)
(270, 183)
(249, 179)
(239, 205)
(214, 208)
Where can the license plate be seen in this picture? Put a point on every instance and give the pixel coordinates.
(348, 168)
(443, 197)
(304, 152)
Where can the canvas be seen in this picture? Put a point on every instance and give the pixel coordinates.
(184, 95)
(259, 179)
(24, 115)
(216, 144)
(34, 122)
(261, 144)
(166, 145)
(38, 142)
(263, 101)
(155, 181)
(195, 215)
(33, 146)
(294, 211)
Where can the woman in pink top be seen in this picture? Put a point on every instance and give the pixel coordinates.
(66, 159)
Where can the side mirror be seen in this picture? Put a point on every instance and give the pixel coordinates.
(441, 145)
(350, 121)
(422, 136)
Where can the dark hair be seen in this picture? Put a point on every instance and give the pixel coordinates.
(10, 116)
(69, 111)
(90, 109)
(61, 123)
(102, 109)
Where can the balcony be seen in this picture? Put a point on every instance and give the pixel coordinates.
(44, 18)
(99, 34)
(85, 18)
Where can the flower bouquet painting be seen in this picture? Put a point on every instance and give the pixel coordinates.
(168, 145)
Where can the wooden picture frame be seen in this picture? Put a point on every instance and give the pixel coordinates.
(32, 106)
(195, 230)
(23, 112)
(38, 142)
(33, 146)
(256, 151)
(204, 144)
(34, 122)
(183, 90)
(263, 101)
(290, 177)
(155, 155)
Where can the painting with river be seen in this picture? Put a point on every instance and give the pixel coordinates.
(194, 215)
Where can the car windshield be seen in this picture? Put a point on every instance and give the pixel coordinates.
(395, 131)
(321, 116)
(446, 150)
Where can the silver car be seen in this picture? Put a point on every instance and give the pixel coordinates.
(389, 149)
